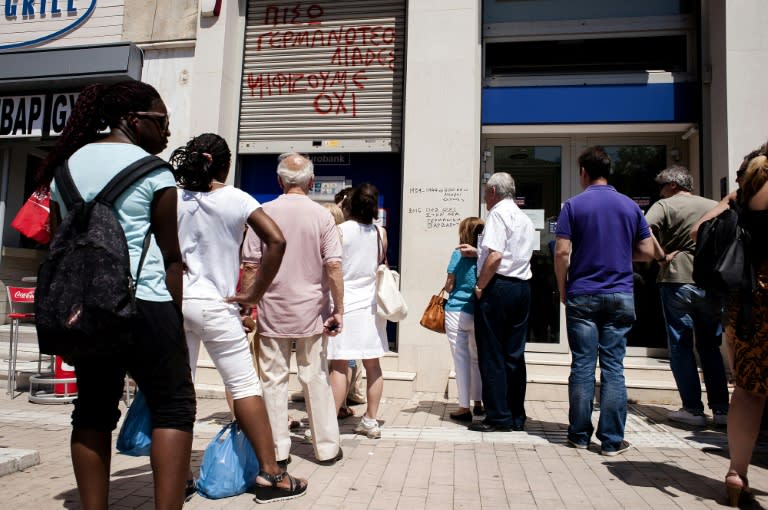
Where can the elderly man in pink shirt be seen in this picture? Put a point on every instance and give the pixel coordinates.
(297, 308)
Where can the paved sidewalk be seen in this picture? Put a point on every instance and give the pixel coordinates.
(422, 461)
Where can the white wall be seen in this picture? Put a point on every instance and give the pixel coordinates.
(170, 72)
(747, 74)
(216, 79)
(441, 149)
(736, 100)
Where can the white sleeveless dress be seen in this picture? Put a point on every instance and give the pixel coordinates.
(364, 335)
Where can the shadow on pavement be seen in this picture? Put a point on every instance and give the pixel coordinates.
(119, 489)
(672, 480)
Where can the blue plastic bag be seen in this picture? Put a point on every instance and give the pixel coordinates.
(135, 436)
(230, 466)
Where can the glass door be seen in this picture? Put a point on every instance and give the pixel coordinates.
(546, 174)
(537, 167)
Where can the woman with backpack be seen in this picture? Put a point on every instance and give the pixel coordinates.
(749, 318)
(211, 217)
(156, 353)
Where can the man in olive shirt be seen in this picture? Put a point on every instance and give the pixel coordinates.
(688, 309)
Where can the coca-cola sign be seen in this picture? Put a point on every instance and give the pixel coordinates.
(23, 294)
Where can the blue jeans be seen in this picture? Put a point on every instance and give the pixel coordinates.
(597, 326)
(501, 328)
(690, 312)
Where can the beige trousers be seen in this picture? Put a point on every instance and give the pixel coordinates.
(274, 360)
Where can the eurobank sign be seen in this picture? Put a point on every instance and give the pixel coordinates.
(37, 115)
(55, 18)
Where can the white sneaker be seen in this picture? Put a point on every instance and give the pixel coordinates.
(683, 415)
(720, 419)
(370, 429)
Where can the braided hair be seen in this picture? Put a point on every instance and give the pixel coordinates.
(193, 170)
(98, 106)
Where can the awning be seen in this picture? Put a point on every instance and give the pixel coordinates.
(68, 68)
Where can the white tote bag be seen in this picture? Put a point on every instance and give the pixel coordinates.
(389, 302)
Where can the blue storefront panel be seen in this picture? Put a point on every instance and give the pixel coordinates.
(570, 104)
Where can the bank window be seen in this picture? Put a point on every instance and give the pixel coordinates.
(667, 53)
(633, 170)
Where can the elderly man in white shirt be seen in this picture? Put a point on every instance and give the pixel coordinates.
(503, 301)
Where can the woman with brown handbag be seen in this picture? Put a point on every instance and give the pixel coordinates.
(460, 322)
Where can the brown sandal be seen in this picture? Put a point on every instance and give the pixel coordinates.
(344, 413)
(736, 488)
(272, 493)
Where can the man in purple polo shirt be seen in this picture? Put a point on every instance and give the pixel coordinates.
(599, 232)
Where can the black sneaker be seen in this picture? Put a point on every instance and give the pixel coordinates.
(574, 444)
(623, 447)
(720, 418)
(190, 489)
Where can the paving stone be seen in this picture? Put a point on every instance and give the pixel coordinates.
(423, 460)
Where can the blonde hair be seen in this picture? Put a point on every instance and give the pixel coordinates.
(755, 178)
(469, 230)
(336, 212)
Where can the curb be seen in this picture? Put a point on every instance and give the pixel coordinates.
(13, 460)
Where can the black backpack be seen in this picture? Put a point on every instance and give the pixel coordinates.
(722, 261)
(85, 296)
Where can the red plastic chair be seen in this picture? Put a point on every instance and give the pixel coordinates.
(21, 302)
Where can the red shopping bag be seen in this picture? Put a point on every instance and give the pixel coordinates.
(32, 218)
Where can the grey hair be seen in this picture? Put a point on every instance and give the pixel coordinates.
(299, 177)
(503, 183)
(677, 174)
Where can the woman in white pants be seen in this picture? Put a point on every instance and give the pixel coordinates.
(211, 218)
(460, 320)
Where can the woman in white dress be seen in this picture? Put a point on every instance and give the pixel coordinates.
(364, 335)
(211, 217)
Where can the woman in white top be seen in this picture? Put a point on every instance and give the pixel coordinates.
(364, 335)
(212, 217)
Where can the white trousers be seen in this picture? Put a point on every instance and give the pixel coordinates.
(460, 329)
(274, 360)
(217, 325)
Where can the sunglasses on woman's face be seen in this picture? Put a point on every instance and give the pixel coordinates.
(163, 120)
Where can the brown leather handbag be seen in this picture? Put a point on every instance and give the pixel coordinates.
(433, 317)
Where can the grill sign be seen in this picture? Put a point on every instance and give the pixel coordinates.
(62, 16)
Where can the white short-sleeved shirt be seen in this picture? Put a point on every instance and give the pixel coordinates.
(211, 228)
(92, 166)
(509, 231)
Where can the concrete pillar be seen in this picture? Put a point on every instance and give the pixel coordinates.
(441, 169)
(216, 78)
